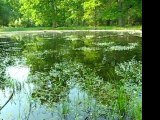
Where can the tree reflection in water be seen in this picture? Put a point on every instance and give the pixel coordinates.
(64, 76)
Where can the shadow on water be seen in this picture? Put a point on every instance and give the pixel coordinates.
(61, 77)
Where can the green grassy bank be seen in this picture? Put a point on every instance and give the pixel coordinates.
(7, 29)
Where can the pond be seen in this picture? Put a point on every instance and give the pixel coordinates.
(66, 76)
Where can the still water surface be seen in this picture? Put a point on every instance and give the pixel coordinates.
(46, 73)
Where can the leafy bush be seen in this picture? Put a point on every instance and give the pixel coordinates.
(21, 22)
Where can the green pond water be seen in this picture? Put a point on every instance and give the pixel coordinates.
(54, 76)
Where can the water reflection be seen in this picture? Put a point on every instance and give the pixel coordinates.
(61, 76)
(18, 73)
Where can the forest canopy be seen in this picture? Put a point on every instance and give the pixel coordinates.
(65, 13)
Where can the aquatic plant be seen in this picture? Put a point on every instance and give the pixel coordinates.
(87, 48)
(61, 66)
(5, 81)
(131, 71)
(72, 38)
(130, 46)
(130, 100)
(103, 43)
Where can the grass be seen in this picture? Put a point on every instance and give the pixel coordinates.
(9, 29)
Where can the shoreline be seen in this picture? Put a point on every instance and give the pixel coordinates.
(119, 32)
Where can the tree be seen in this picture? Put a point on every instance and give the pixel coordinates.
(90, 8)
(121, 11)
(14, 5)
(5, 11)
(42, 12)
(74, 11)
(71, 12)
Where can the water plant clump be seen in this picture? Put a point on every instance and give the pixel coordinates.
(104, 43)
(87, 49)
(5, 81)
(130, 46)
(115, 100)
(129, 99)
(131, 71)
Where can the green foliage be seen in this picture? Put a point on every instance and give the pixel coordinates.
(60, 13)
(9, 11)
(130, 71)
(90, 11)
(119, 101)
(5, 11)
(129, 100)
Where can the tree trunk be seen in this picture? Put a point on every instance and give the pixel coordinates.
(121, 22)
(54, 24)
(121, 18)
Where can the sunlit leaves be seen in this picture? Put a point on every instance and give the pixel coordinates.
(90, 10)
(58, 13)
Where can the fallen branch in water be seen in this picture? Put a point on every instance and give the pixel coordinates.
(7, 101)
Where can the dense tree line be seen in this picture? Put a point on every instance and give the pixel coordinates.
(58, 13)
